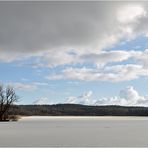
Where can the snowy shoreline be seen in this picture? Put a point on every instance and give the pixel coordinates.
(84, 117)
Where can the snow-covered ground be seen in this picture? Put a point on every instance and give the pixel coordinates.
(75, 132)
(41, 118)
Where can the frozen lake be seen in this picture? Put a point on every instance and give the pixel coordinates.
(75, 132)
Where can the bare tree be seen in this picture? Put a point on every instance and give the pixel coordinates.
(7, 98)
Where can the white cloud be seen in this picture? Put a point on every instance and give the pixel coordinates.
(130, 13)
(124, 72)
(40, 83)
(112, 73)
(42, 101)
(55, 58)
(23, 86)
(127, 97)
(27, 86)
(87, 94)
(105, 57)
(85, 99)
(103, 72)
(142, 58)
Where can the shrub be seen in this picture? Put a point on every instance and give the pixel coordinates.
(13, 117)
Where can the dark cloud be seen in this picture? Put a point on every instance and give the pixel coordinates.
(31, 27)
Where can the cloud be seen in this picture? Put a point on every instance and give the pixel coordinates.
(131, 13)
(27, 86)
(124, 72)
(42, 101)
(102, 71)
(55, 58)
(85, 99)
(33, 28)
(87, 94)
(53, 28)
(92, 51)
(23, 86)
(127, 97)
(70, 33)
(40, 83)
(105, 57)
(110, 73)
(142, 58)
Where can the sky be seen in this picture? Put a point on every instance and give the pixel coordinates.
(92, 53)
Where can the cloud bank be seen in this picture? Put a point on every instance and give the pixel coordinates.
(69, 34)
(127, 97)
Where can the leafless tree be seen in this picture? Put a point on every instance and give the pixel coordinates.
(7, 98)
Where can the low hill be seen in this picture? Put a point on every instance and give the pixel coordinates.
(77, 110)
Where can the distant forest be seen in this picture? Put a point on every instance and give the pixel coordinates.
(77, 110)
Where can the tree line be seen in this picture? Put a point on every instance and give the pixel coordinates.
(77, 110)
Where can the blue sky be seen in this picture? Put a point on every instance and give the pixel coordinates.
(75, 52)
